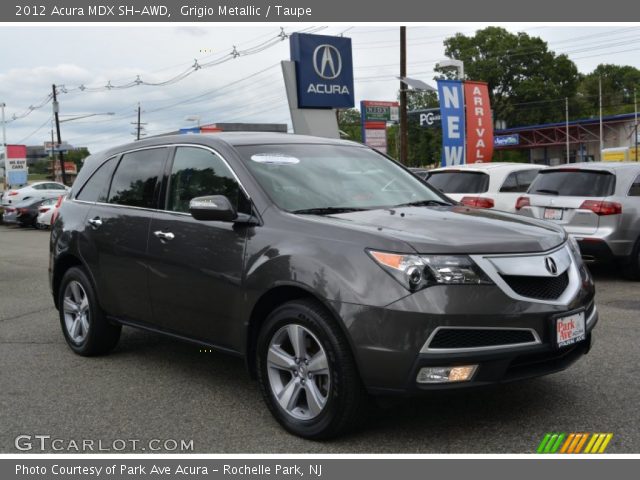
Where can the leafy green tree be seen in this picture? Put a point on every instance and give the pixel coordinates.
(77, 156)
(527, 81)
(618, 84)
(349, 122)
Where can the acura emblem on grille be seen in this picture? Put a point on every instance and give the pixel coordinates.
(551, 266)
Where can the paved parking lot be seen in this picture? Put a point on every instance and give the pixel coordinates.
(151, 387)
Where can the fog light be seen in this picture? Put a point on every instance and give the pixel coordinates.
(446, 374)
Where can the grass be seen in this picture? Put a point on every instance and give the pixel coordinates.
(37, 177)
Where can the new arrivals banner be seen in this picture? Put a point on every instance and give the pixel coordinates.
(479, 122)
(451, 97)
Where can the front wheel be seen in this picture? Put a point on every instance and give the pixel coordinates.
(307, 373)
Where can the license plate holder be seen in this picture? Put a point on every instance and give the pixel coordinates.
(569, 329)
(553, 213)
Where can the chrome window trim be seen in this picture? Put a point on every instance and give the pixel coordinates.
(426, 349)
(172, 145)
(484, 262)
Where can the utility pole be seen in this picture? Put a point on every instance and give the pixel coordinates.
(566, 108)
(635, 103)
(56, 111)
(600, 102)
(404, 134)
(4, 143)
(138, 125)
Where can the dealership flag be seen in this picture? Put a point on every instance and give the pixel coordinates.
(451, 97)
(479, 122)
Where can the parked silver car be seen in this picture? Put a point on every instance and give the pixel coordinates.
(597, 203)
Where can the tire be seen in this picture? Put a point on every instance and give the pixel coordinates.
(340, 396)
(84, 326)
(632, 265)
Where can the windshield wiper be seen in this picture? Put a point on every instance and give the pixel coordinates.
(327, 210)
(424, 203)
(545, 190)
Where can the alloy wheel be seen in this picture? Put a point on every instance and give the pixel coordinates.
(76, 311)
(298, 370)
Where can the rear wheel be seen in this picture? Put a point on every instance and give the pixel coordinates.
(83, 323)
(307, 373)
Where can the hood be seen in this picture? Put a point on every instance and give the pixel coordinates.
(457, 229)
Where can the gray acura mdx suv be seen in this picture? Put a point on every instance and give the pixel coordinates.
(329, 267)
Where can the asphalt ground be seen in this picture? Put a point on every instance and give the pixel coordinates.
(156, 388)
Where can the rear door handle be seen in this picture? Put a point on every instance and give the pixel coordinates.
(95, 222)
(164, 235)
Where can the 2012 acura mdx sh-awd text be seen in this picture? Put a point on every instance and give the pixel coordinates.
(330, 268)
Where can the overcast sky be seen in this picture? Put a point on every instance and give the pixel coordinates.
(32, 58)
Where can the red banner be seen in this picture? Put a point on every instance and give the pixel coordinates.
(479, 122)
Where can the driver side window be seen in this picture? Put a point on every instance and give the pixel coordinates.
(197, 172)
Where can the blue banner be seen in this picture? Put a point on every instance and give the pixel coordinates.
(324, 70)
(451, 97)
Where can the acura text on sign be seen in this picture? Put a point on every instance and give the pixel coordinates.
(324, 70)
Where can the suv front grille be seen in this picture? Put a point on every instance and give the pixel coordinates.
(541, 288)
(453, 338)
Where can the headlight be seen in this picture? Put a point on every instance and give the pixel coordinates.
(415, 272)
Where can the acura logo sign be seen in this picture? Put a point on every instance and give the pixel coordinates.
(551, 266)
(327, 62)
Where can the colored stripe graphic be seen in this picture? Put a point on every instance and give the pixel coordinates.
(574, 442)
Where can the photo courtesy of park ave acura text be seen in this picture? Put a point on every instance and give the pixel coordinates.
(307, 235)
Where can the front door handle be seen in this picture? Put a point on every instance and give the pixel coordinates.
(164, 235)
(95, 222)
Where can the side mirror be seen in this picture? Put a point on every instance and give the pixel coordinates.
(214, 207)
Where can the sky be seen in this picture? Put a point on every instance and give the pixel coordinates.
(248, 88)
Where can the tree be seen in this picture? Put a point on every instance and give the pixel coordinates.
(527, 82)
(77, 156)
(424, 143)
(349, 122)
(618, 83)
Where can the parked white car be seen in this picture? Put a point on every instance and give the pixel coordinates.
(485, 185)
(35, 191)
(48, 211)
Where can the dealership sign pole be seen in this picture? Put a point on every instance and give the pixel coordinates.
(374, 117)
(318, 79)
(451, 94)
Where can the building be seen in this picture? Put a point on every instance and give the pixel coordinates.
(547, 143)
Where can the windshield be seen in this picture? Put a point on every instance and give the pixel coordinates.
(307, 177)
(574, 183)
(459, 182)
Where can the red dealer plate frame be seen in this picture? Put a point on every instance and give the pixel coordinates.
(569, 329)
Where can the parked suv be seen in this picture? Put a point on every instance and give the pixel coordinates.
(485, 185)
(331, 269)
(597, 203)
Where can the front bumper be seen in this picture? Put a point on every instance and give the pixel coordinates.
(389, 342)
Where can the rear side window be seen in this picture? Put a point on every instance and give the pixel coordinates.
(136, 178)
(96, 188)
(519, 182)
(197, 172)
(459, 182)
(574, 183)
(634, 191)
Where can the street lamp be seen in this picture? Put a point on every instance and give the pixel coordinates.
(56, 115)
(87, 115)
(453, 63)
(417, 85)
